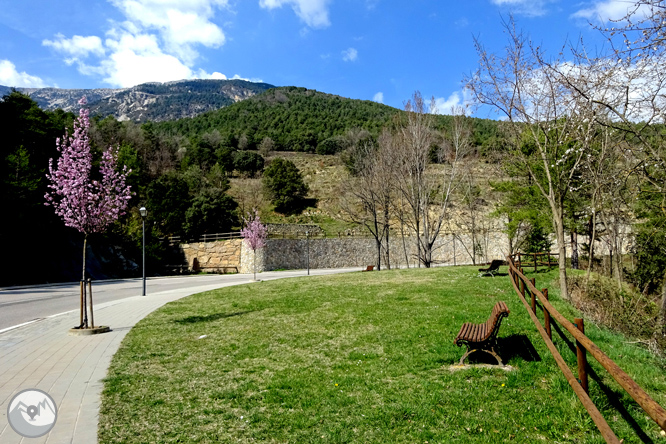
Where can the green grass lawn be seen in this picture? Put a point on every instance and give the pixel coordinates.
(362, 357)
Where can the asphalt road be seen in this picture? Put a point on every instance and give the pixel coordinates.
(25, 304)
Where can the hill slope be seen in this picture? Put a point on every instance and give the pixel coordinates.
(296, 119)
(300, 119)
(149, 101)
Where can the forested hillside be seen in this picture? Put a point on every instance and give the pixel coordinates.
(299, 119)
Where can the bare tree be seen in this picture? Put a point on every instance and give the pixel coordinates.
(426, 193)
(249, 194)
(369, 193)
(550, 127)
(469, 217)
(634, 70)
(266, 146)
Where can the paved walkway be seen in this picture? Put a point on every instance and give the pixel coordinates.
(44, 356)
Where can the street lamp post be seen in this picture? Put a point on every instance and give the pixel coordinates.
(144, 213)
(307, 241)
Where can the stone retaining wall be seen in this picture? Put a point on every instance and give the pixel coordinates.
(233, 255)
(221, 256)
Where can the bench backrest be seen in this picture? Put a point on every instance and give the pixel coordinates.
(500, 310)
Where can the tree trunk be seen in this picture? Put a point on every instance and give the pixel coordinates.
(617, 265)
(85, 242)
(661, 319)
(404, 242)
(387, 231)
(418, 245)
(593, 236)
(562, 259)
(574, 250)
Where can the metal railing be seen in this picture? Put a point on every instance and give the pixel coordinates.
(527, 287)
(205, 238)
(295, 235)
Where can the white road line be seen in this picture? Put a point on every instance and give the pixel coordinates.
(21, 325)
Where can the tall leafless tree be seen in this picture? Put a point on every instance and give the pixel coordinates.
(549, 126)
(427, 193)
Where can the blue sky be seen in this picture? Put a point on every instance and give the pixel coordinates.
(363, 49)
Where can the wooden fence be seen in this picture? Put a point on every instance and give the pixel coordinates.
(535, 260)
(527, 288)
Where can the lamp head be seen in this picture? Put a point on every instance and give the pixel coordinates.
(143, 211)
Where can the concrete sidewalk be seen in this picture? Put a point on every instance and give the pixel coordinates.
(42, 355)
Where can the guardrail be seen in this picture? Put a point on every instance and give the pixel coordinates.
(524, 287)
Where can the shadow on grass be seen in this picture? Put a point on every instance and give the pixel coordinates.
(517, 346)
(210, 318)
(496, 275)
(510, 347)
(614, 397)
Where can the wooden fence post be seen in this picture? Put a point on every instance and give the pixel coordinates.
(535, 262)
(582, 357)
(546, 315)
(522, 287)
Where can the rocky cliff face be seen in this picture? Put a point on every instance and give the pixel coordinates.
(149, 101)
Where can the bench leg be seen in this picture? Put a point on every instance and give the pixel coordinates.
(491, 352)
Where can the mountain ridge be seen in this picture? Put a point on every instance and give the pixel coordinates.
(152, 101)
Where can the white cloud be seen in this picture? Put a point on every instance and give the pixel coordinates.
(216, 75)
(181, 23)
(349, 55)
(138, 59)
(461, 23)
(532, 8)
(605, 11)
(157, 42)
(77, 47)
(453, 103)
(379, 97)
(10, 76)
(313, 12)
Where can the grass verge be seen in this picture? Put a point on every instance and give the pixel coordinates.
(363, 357)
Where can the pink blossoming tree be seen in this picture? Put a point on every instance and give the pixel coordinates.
(255, 235)
(84, 203)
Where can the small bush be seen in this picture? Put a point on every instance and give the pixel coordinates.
(626, 310)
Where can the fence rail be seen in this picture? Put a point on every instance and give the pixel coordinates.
(536, 259)
(204, 238)
(237, 235)
(523, 285)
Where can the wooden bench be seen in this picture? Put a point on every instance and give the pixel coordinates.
(492, 269)
(482, 337)
(369, 268)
